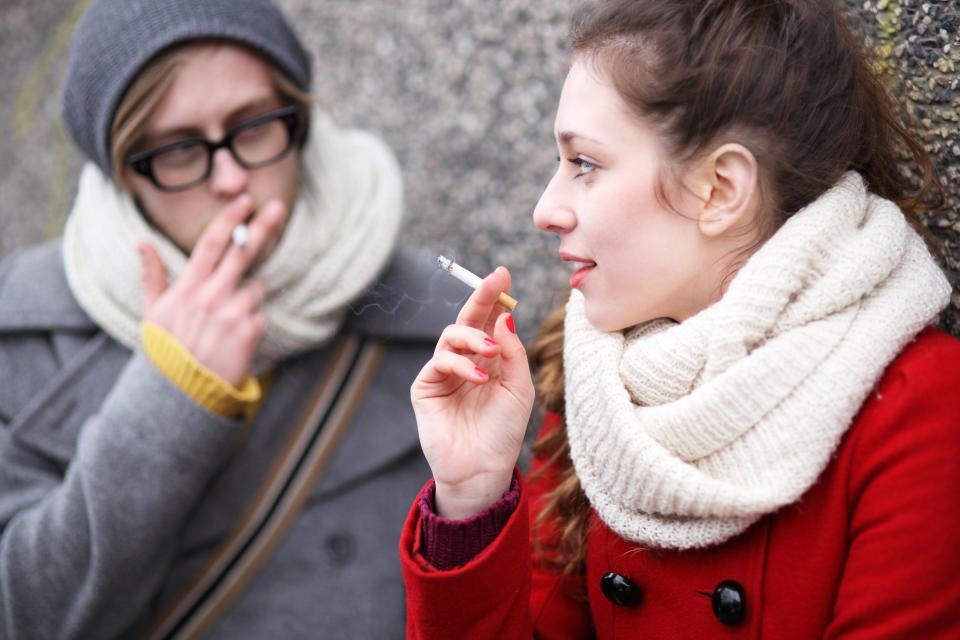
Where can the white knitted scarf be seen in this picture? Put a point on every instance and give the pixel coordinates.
(341, 233)
(684, 434)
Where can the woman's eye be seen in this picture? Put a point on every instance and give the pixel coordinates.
(180, 156)
(254, 132)
(585, 165)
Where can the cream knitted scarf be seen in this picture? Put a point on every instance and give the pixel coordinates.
(684, 434)
(340, 235)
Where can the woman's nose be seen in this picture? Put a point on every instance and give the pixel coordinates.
(553, 213)
(227, 177)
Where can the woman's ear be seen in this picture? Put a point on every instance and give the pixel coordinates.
(729, 181)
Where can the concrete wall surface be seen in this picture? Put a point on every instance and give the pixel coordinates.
(465, 92)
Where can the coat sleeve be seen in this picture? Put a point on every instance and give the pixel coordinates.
(900, 578)
(504, 592)
(84, 549)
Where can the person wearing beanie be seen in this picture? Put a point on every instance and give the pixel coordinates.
(752, 428)
(205, 427)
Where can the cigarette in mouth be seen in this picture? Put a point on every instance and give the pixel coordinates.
(239, 235)
(471, 279)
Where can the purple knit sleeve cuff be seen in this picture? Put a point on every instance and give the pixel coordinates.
(448, 544)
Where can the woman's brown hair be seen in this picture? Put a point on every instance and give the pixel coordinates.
(785, 78)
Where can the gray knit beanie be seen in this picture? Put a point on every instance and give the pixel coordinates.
(116, 38)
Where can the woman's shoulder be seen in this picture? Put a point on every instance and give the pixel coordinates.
(34, 293)
(915, 406)
(931, 361)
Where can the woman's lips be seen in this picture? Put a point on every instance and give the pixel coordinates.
(577, 277)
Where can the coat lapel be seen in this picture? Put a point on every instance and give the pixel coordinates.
(51, 421)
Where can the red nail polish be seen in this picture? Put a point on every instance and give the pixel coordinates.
(488, 342)
(480, 371)
(510, 325)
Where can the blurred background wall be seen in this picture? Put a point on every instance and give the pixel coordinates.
(465, 92)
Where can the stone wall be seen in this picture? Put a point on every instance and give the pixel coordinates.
(917, 51)
(465, 92)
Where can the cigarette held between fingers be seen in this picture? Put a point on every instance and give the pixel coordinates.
(240, 235)
(471, 279)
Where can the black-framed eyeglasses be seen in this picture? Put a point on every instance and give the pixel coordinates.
(253, 144)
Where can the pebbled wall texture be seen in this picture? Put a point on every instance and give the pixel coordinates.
(465, 91)
(916, 46)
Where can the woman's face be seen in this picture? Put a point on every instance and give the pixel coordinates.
(636, 258)
(217, 87)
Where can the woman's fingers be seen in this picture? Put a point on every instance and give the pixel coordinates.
(463, 339)
(514, 366)
(153, 275)
(273, 238)
(482, 308)
(251, 295)
(455, 359)
(449, 367)
(263, 229)
(216, 239)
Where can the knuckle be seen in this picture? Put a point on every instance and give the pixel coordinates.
(206, 304)
(234, 317)
(258, 325)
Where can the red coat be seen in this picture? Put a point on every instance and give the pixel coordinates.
(872, 550)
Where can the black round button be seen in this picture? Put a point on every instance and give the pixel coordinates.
(729, 602)
(620, 590)
(340, 547)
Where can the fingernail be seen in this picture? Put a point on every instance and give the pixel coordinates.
(480, 372)
(489, 343)
(510, 326)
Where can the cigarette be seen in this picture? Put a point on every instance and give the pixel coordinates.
(239, 235)
(471, 279)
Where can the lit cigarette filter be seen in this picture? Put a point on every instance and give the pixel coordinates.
(471, 279)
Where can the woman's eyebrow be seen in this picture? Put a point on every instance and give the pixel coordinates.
(567, 137)
(151, 139)
(235, 117)
(251, 109)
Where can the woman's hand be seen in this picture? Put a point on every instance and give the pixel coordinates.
(213, 310)
(473, 401)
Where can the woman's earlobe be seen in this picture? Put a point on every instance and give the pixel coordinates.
(714, 222)
(731, 172)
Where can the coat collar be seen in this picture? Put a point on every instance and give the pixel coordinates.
(34, 293)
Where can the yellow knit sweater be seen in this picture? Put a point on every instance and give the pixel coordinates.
(204, 386)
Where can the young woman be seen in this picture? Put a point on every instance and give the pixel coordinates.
(751, 431)
(157, 359)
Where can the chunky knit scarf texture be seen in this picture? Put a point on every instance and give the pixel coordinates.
(683, 434)
(340, 235)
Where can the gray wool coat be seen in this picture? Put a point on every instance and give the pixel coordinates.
(115, 487)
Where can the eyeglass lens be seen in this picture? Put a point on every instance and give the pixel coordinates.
(252, 146)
